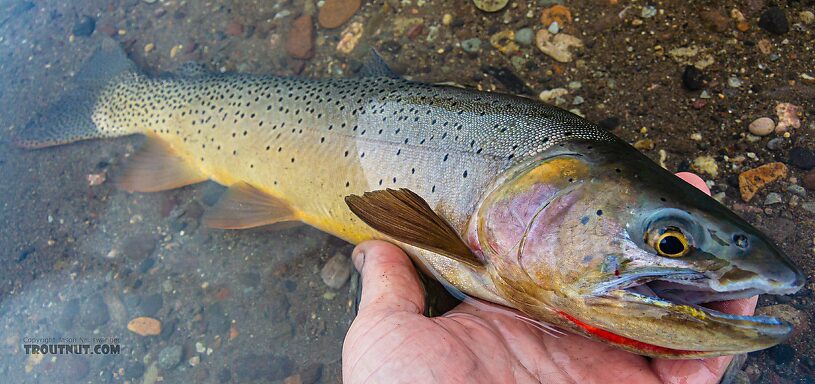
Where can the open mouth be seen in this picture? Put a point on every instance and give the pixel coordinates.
(685, 294)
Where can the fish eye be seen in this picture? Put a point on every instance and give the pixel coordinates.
(671, 242)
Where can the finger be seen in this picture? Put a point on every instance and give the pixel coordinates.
(694, 180)
(389, 281)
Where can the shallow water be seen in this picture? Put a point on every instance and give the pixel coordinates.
(83, 260)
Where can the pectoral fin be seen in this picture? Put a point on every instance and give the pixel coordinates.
(244, 206)
(157, 167)
(406, 217)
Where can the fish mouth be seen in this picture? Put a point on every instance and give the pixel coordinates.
(678, 302)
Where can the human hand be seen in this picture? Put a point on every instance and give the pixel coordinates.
(390, 341)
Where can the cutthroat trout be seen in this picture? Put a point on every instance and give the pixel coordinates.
(504, 198)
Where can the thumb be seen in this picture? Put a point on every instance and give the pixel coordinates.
(389, 281)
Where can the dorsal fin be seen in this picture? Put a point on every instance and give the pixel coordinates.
(244, 206)
(376, 66)
(406, 217)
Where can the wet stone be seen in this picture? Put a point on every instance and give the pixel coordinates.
(68, 315)
(168, 329)
(803, 158)
(251, 283)
(335, 13)
(772, 198)
(84, 27)
(150, 305)
(147, 264)
(266, 367)
(797, 190)
(471, 45)
(336, 271)
(752, 180)
(762, 126)
(774, 20)
(169, 357)
(776, 144)
(94, 312)
(692, 78)
(524, 36)
(134, 370)
(300, 41)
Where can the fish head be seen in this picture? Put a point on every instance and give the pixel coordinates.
(598, 239)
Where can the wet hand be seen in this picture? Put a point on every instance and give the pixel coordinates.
(390, 341)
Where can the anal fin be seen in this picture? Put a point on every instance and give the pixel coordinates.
(157, 167)
(244, 206)
(406, 217)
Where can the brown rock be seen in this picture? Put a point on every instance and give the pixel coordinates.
(300, 41)
(809, 180)
(234, 28)
(335, 13)
(751, 181)
(144, 326)
(558, 13)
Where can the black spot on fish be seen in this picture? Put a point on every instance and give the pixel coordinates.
(584, 220)
(599, 212)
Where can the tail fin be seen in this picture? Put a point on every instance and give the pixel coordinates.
(70, 118)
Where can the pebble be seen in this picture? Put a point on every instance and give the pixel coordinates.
(644, 145)
(149, 47)
(809, 180)
(796, 189)
(217, 320)
(762, 126)
(578, 100)
(706, 164)
(807, 17)
(648, 12)
(353, 33)
(776, 144)
(94, 312)
(490, 5)
(772, 198)
(558, 13)
(774, 20)
(692, 78)
(447, 19)
(471, 45)
(734, 82)
(266, 367)
(144, 326)
(524, 36)
(809, 207)
(714, 20)
(553, 28)
(335, 13)
(752, 180)
(557, 47)
(549, 96)
(85, 26)
(504, 41)
(169, 357)
(787, 117)
(300, 41)
(802, 158)
(336, 271)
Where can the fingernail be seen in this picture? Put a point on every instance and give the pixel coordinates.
(359, 260)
